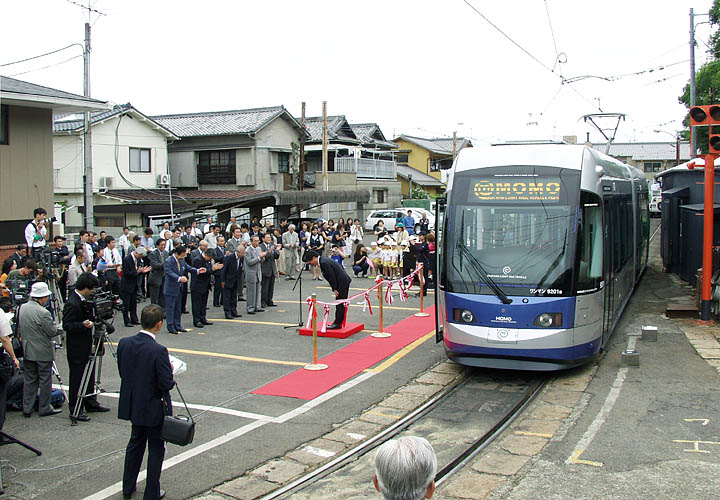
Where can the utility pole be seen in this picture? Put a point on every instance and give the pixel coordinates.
(301, 181)
(454, 145)
(87, 139)
(693, 96)
(326, 207)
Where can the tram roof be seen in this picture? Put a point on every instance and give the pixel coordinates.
(570, 156)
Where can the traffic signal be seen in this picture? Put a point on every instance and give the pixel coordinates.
(707, 115)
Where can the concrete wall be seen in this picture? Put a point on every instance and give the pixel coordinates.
(26, 175)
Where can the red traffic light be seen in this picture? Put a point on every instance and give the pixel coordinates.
(705, 115)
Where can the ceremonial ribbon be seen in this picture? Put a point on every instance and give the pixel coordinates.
(325, 317)
(388, 293)
(308, 323)
(367, 303)
(403, 293)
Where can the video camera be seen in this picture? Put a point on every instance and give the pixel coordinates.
(100, 308)
(51, 257)
(19, 291)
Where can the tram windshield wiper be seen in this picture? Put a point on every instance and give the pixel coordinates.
(555, 263)
(480, 270)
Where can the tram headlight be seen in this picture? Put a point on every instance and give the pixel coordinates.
(464, 315)
(547, 320)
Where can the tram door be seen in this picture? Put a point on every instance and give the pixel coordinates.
(609, 266)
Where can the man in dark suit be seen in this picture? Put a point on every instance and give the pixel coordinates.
(230, 280)
(269, 270)
(175, 270)
(200, 286)
(78, 328)
(338, 280)
(132, 268)
(219, 259)
(146, 378)
(157, 276)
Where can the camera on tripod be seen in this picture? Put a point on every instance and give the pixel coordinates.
(100, 308)
(50, 258)
(19, 291)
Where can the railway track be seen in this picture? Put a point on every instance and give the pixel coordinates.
(460, 421)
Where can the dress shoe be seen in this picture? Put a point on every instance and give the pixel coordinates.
(136, 323)
(251, 312)
(128, 325)
(207, 323)
(198, 325)
(229, 316)
(97, 409)
(50, 413)
(27, 415)
(241, 299)
(82, 418)
(128, 496)
(272, 304)
(259, 310)
(182, 330)
(333, 327)
(186, 312)
(236, 315)
(172, 332)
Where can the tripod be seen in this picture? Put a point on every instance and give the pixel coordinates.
(300, 298)
(100, 337)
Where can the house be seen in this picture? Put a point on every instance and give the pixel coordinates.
(26, 150)
(248, 158)
(650, 157)
(428, 157)
(359, 158)
(129, 152)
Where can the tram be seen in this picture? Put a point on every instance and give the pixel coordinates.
(540, 249)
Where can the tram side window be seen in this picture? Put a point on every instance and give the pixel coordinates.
(589, 255)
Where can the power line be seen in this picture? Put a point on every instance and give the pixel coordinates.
(40, 55)
(48, 66)
(552, 34)
(508, 37)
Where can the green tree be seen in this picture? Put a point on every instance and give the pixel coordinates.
(419, 193)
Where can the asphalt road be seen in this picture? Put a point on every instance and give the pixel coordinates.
(226, 361)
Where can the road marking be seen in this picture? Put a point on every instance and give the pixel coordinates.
(400, 354)
(238, 357)
(575, 459)
(696, 443)
(355, 436)
(319, 452)
(248, 322)
(213, 409)
(214, 443)
(533, 434)
(383, 414)
(704, 421)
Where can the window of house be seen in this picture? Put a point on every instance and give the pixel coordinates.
(216, 167)
(4, 132)
(283, 163)
(401, 158)
(380, 195)
(652, 166)
(139, 160)
(110, 220)
(434, 165)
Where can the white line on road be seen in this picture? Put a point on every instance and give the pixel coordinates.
(182, 457)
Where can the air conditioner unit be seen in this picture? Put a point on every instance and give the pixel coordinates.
(163, 180)
(106, 182)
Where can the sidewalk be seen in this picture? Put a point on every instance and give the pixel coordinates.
(611, 432)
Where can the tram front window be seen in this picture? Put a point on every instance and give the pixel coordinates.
(523, 249)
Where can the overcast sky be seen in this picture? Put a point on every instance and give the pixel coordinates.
(417, 67)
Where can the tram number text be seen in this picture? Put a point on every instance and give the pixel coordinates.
(546, 291)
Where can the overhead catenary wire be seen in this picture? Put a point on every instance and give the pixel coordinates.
(552, 34)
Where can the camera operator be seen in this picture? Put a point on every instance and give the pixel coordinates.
(77, 268)
(26, 273)
(5, 374)
(37, 329)
(36, 233)
(64, 258)
(78, 327)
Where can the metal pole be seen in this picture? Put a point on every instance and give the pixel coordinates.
(301, 181)
(87, 139)
(677, 149)
(693, 95)
(315, 366)
(708, 237)
(380, 334)
(326, 207)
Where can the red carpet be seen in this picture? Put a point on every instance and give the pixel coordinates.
(351, 360)
(340, 333)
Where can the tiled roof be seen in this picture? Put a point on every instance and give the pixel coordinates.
(336, 126)
(438, 145)
(74, 122)
(370, 134)
(420, 178)
(646, 151)
(187, 194)
(242, 121)
(8, 84)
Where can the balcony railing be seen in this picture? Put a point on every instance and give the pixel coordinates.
(366, 168)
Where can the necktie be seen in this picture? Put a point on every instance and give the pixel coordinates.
(178, 263)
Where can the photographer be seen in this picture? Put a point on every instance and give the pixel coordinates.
(77, 268)
(63, 261)
(78, 327)
(37, 329)
(36, 232)
(8, 362)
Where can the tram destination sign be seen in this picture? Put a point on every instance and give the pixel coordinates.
(534, 189)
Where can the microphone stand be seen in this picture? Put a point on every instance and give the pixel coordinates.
(300, 297)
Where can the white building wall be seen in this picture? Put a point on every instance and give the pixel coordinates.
(183, 169)
(68, 163)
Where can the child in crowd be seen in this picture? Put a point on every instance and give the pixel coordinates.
(394, 256)
(386, 255)
(374, 256)
(337, 254)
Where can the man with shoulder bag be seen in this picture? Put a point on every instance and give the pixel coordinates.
(146, 379)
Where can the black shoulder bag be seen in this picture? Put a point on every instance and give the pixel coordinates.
(178, 429)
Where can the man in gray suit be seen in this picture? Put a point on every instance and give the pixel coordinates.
(269, 270)
(157, 273)
(291, 244)
(253, 274)
(37, 329)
